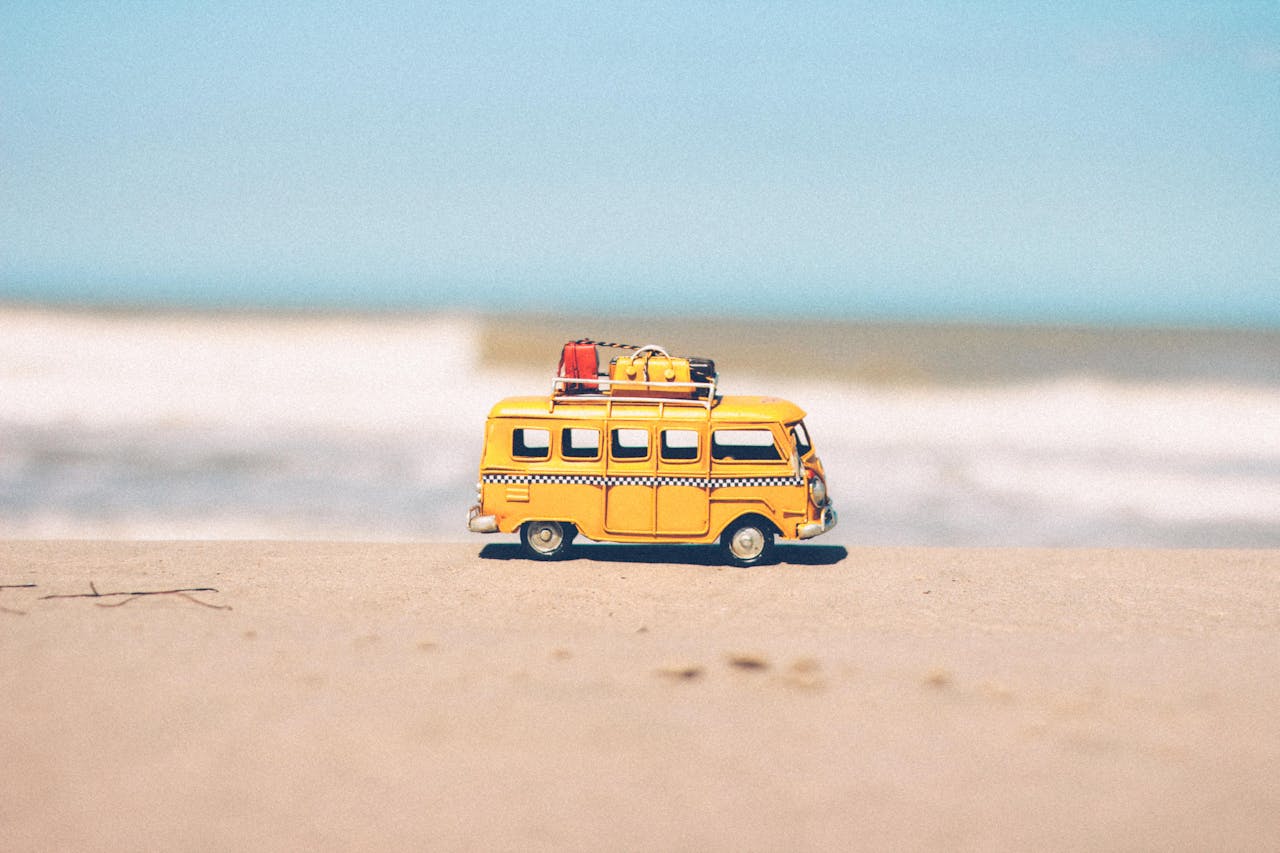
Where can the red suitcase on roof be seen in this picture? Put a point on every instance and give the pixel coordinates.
(578, 361)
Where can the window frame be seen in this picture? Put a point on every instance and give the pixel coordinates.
(662, 446)
(565, 436)
(648, 444)
(797, 429)
(779, 455)
(526, 457)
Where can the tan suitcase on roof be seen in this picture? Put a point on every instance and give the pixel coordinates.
(652, 374)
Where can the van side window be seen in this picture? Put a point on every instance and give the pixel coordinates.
(679, 445)
(578, 443)
(755, 445)
(630, 444)
(530, 443)
(801, 435)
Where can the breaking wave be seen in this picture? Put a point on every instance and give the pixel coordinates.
(213, 426)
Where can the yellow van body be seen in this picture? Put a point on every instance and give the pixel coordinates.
(651, 471)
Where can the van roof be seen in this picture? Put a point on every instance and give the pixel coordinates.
(727, 408)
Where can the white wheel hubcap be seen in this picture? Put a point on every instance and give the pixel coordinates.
(747, 543)
(546, 536)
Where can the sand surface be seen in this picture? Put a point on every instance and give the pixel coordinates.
(451, 697)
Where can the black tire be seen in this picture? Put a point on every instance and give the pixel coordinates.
(546, 540)
(748, 541)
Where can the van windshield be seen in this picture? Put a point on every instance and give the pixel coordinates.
(803, 446)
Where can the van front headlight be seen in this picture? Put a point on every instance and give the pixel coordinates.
(817, 489)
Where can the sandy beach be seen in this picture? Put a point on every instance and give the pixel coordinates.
(452, 697)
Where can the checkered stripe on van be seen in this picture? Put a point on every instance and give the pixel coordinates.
(724, 482)
(576, 479)
(697, 482)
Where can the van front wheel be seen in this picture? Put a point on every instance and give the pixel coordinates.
(546, 540)
(747, 542)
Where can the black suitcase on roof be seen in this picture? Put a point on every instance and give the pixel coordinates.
(701, 369)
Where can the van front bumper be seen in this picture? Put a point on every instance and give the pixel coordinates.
(819, 527)
(478, 523)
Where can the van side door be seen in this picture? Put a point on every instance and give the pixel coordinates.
(628, 493)
(683, 491)
(753, 467)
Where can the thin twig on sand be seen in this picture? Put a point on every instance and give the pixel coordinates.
(15, 586)
(130, 596)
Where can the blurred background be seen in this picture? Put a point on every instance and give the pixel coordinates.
(263, 271)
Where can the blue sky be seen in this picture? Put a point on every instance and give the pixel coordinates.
(1102, 162)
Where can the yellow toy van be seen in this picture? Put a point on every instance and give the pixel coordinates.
(648, 451)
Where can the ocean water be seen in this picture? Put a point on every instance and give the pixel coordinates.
(216, 425)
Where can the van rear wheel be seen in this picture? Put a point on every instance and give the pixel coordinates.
(748, 542)
(546, 540)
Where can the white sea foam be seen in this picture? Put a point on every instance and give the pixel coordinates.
(240, 372)
(209, 426)
(1080, 462)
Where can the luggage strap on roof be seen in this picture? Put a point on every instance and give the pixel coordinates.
(607, 344)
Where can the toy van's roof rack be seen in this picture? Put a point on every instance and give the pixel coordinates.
(604, 393)
(571, 386)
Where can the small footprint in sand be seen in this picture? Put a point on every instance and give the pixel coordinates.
(748, 662)
(804, 673)
(937, 678)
